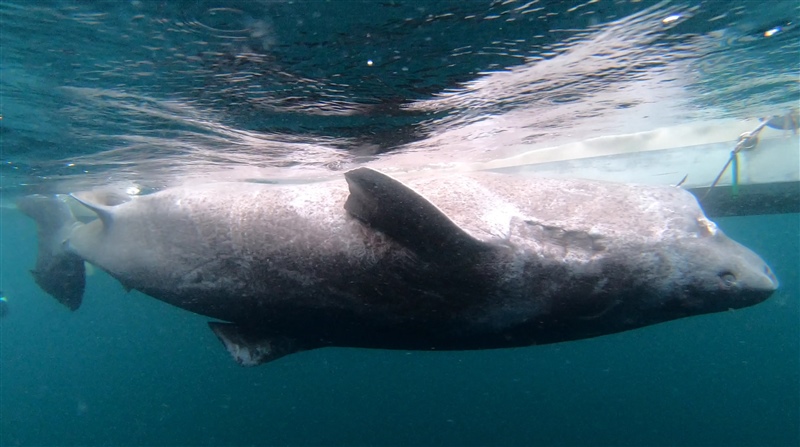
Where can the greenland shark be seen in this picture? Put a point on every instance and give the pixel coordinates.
(441, 262)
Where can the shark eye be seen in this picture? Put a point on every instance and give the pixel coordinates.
(728, 279)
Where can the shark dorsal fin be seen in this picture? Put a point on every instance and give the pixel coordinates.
(393, 208)
(102, 202)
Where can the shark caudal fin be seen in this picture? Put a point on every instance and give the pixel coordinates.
(58, 271)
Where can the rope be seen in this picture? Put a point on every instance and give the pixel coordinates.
(746, 142)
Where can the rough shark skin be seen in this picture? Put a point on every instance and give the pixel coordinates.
(456, 261)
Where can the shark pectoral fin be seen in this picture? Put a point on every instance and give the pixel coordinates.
(101, 202)
(393, 208)
(252, 349)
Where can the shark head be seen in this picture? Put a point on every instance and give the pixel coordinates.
(716, 273)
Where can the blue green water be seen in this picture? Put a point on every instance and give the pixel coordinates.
(143, 94)
(128, 370)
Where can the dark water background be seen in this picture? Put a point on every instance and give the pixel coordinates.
(96, 92)
(129, 370)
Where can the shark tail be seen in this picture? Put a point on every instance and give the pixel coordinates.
(58, 271)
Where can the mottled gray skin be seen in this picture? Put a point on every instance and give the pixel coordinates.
(487, 261)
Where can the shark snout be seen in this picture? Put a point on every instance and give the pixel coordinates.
(739, 277)
(762, 280)
(752, 274)
(753, 282)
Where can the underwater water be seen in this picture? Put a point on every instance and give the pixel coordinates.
(146, 94)
(129, 370)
